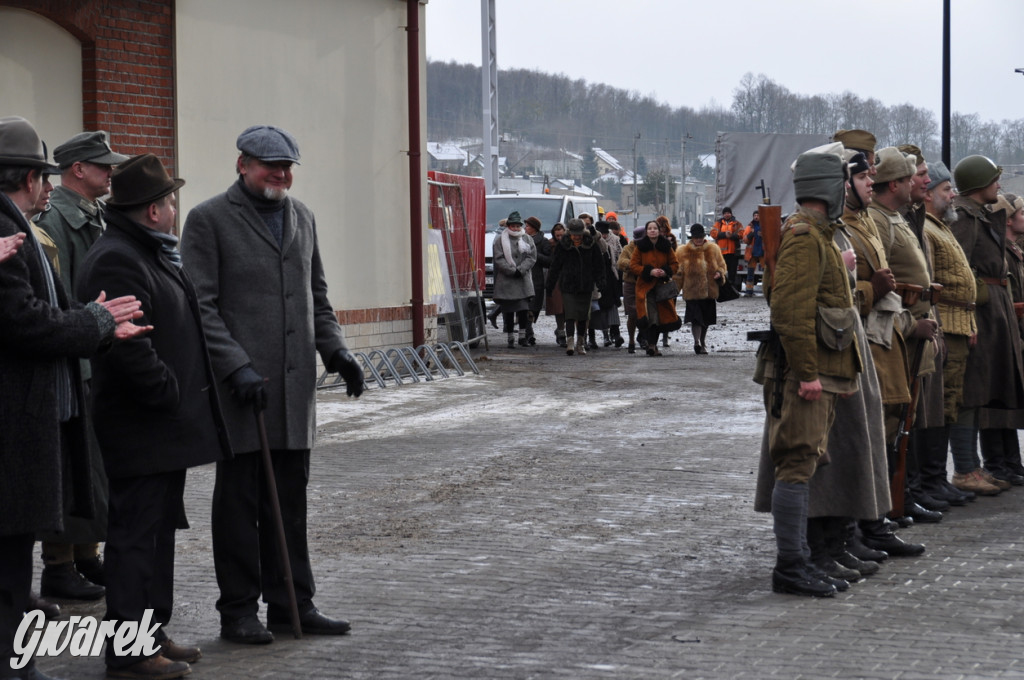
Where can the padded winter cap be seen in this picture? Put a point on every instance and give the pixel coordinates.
(533, 222)
(857, 161)
(639, 232)
(513, 218)
(269, 143)
(938, 173)
(1011, 203)
(576, 226)
(893, 164)
(87, 146)
(21, 146)
(821, 176)
(913, 149)
(861, 140)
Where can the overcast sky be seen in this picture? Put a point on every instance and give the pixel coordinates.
(694, 52)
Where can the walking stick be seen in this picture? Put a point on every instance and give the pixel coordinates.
(275, 506)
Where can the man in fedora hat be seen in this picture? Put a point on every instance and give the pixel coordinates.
(72, 568)
(253, 254)
(155, 406)
(44, 461)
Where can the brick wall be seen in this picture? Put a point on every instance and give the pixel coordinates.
(385, 326)
(127, 68)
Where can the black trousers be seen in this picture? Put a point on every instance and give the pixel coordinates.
(244, 548)
(731, 264)
(15, 582)
(139, 554)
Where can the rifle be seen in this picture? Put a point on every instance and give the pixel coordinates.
(899, 477)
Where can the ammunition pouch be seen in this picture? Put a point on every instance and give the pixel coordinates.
(836, 327)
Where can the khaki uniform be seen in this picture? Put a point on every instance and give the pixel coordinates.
(809, 274)
(951, 268)
(890, 362)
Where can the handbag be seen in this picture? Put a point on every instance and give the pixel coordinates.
(727, 292)
(666, 290)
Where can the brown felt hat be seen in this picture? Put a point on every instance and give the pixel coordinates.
(20, 145)
(141, 180)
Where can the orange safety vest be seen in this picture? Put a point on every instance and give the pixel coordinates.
(726, 245)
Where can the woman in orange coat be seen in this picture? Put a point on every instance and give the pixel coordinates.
(653, 262)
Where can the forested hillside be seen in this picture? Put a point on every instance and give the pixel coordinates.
(559, 112)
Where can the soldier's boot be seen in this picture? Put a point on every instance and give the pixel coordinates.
(817, 528)
(792, 573)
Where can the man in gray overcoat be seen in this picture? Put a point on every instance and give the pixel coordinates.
(253, 255)
(44, 462)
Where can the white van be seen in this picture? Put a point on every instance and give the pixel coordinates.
(548, 208)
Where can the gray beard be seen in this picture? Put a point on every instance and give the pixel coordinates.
(272, 194)
(949, 217)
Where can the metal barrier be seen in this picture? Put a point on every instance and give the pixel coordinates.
(399, 364)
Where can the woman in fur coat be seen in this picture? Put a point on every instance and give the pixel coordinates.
(653, 262)
(701, 271)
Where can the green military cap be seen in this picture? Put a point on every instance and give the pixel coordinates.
(912, 149)
(862, 140)
(87, 146)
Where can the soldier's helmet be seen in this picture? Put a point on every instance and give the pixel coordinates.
(975, 172)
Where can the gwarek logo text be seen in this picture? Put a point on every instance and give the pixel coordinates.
(82, 636)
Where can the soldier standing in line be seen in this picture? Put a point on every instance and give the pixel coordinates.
(959, 331)
(893, 184)
(809, 276)
(994, 363)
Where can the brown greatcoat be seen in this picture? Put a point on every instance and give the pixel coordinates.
(994, 375)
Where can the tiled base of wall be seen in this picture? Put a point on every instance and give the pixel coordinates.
(380, 328)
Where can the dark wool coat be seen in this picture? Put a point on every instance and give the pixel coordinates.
(154, 397)
(44, 465)
(576, 270)
(543, 248)
(647, 257)
(993, 376)
(265, 305)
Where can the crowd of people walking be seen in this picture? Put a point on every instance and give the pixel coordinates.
(587, 271)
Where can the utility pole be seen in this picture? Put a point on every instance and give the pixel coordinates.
(945, 85)
(667, 175)
(682, 184)
(636, 201)
(489, 71)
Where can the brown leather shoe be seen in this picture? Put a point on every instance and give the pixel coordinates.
(973, 482)
(176, 652)
(156, 667)
(992, 479)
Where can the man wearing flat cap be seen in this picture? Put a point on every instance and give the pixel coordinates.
(72, 568)
(253, 254)
(155, 406)
(44, 461)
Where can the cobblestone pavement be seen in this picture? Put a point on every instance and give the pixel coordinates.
(591, 517)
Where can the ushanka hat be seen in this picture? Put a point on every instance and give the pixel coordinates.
(140, 181)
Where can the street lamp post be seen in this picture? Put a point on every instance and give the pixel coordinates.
(636, 199)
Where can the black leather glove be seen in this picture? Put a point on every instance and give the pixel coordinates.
(248, 386)
(344, 363)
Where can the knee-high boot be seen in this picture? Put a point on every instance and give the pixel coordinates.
(789, 522)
